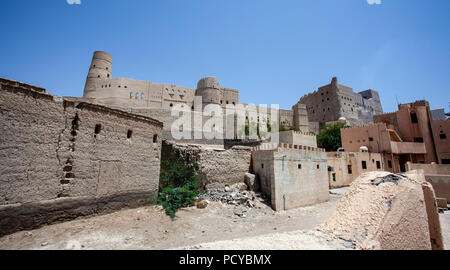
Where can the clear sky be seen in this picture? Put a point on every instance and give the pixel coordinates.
(272, 51)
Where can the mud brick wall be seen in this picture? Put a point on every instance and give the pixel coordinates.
(219, 167)
(61, 159)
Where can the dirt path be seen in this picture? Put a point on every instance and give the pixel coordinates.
(150, 228)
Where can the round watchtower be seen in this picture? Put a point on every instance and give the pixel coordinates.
(209, 89)
(101, 68)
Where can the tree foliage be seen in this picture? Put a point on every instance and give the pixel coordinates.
(330, 137)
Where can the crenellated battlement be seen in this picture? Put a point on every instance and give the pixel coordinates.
(286, 146)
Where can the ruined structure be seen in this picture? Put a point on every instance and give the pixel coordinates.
(291, 175)
(344, 167)
(219, 167)
(388, 212)
(333, 101)
(62, 159)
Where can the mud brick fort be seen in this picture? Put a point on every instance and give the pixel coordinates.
(64, 157)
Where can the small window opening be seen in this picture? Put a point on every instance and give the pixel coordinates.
(262, 166)
(378, 165)
(370, 139)
(318, 166)
(299, 166)
(414, 118)
(390, 164)
(418, 140)
(349, 168)
(155, 138)
(364, 165)
(442, 136)
(129, 134)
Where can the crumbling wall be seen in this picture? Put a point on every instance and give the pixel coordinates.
(61, 159)
(219, 167)
(385, 211)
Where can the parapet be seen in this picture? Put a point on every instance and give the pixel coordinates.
(208, 82)
(103, 55)
(294, 147)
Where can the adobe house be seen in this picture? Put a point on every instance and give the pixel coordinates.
(344, 167)
(378, 138)
(291, 175)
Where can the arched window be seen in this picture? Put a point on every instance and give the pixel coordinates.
(137, 95)
(142, 96)
(155, 138)
(131, 95)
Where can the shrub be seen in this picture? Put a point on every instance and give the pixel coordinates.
(179, 183)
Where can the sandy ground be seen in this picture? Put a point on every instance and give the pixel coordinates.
(150, 228)
(218, 226)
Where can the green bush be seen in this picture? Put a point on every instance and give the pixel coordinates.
(179, 183)
(330, 137)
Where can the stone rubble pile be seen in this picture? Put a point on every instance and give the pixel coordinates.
(234, 195)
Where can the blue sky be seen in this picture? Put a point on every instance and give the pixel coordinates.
(273, 51)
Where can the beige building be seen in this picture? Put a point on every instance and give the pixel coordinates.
(441, 133)
(291, 175)
(407, 135)
(329, 103)
(378, 138)
(334, 101)
(344, 167)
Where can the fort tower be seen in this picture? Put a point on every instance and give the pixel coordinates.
(100, 69)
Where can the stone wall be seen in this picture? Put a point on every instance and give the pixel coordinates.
(220, 167)
(291, 175)
(61, 159)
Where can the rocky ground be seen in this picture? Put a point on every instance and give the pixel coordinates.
(150, 228)
(231, 220)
